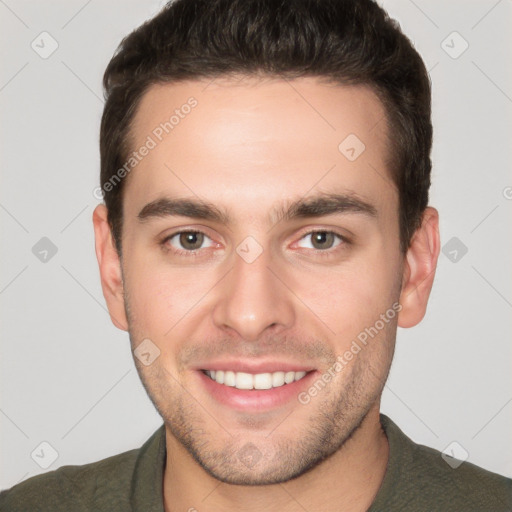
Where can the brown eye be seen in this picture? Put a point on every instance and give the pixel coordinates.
(191, 241)
(322, 240)
(188, 241)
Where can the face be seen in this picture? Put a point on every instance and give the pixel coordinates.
(260, 245)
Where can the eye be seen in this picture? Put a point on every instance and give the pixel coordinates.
(188, 241)
(322, 240)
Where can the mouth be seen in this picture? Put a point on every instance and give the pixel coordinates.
(248, 381)
(255, 392)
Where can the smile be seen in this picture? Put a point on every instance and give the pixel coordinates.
(247, 381)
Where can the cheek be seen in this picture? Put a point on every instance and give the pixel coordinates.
(162, 296)
(349, 299)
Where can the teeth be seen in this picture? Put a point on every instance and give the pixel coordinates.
(242, 380)
(262, 381)
(289, 377)
(229, 378)
(277, 379)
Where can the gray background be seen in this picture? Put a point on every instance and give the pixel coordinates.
(67, 375)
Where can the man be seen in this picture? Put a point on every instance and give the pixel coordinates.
(265, 168)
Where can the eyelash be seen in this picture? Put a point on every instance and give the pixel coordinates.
(181, 252)
(344, 241)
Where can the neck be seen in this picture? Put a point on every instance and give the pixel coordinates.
(347, 481)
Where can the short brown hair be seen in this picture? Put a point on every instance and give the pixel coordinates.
(345, 41)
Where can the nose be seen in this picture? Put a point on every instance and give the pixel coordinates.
(253, 299)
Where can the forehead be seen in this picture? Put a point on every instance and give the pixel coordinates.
(252, 141)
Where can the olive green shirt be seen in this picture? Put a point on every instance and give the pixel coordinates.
(417, 479)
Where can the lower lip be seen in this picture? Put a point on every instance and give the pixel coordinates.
(255, 399)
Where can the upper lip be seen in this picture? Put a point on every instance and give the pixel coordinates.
(254, 367)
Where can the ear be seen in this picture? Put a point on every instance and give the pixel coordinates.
(419, 269)
(110, 268)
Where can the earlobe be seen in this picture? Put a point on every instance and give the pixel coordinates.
(419, 270)
(110, 268)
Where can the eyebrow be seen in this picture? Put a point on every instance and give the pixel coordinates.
(196, 208)
(324, 204)
(309, 207)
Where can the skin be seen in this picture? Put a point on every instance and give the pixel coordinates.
(248, 147)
